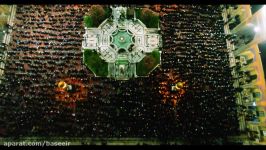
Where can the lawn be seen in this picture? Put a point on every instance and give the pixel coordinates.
(96, 16)
(148, 17)
(148, 63)
(93, 61)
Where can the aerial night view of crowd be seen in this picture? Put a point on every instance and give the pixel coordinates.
(46, 48)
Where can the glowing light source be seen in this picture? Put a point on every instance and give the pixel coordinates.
(70, 90)
(264, 7)
(262, 19)
(256, 29)
(172, 89)
(62, 84)
(254, 103)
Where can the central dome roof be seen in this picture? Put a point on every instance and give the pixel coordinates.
(122, 39)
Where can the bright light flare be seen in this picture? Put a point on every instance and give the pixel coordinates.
(257, 29)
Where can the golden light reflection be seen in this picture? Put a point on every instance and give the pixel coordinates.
(70, 90)
(62, 85)
(172, 88)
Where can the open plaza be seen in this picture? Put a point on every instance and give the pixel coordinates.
(88, 74)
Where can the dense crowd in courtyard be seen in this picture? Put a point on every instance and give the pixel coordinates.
(46, 47)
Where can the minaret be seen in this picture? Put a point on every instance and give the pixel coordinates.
(134, 15)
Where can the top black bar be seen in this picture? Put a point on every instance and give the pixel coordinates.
(211, 2)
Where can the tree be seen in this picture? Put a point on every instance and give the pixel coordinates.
(108, 11)
(95, 16)
(130, 13)
(88, 21)
(149, 18)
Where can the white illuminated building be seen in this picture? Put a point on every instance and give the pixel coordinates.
(118, 38)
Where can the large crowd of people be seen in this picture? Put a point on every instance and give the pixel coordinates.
(46, 47)
(198, 52)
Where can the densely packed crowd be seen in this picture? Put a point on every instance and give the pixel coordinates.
(197, 51)
(46, 47)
